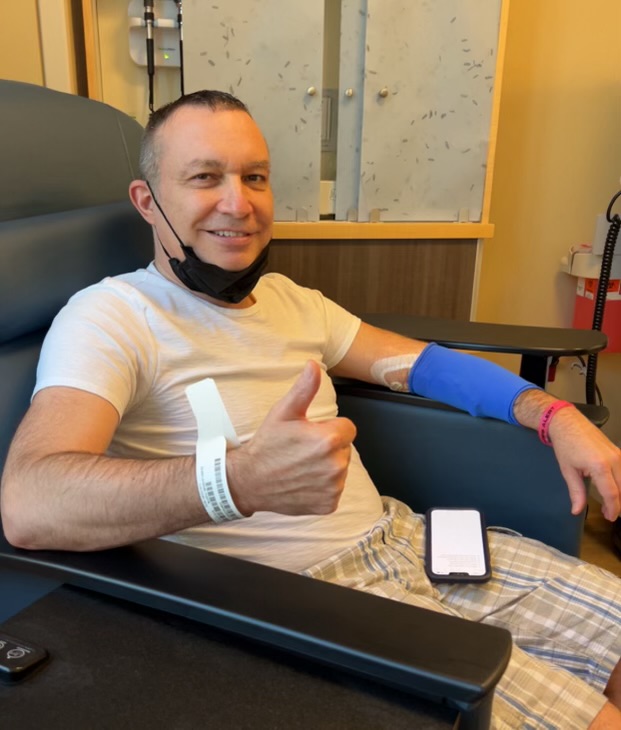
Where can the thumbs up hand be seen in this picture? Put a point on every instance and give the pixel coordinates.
(292, 465)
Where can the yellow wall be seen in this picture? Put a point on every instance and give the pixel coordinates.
(558, 164)
(20, 48)
(37, 44)
(57, 45)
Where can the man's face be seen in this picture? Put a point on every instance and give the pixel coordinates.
(214, 186)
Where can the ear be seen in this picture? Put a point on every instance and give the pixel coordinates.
(142, 199)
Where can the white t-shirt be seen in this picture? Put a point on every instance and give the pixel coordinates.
(138, 340)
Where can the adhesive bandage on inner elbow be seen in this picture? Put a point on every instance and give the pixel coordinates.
(467, 382)
(393, 371)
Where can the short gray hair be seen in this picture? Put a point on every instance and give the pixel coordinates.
(149, 149)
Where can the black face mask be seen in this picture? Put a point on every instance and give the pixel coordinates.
(225, 286)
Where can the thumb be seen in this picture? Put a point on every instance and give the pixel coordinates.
(295, 403)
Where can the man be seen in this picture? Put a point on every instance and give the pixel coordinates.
(107, 453)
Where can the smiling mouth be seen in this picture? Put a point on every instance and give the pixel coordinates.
(228, 234)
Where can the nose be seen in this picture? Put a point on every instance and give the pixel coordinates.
(235, 198)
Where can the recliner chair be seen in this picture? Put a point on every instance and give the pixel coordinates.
(65, 223)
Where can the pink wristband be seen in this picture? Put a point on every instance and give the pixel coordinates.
(544, 424)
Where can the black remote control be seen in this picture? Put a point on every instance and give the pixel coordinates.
(18, 658)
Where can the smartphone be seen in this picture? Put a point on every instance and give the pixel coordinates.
(456, 546)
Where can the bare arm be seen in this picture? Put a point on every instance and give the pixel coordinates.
(59, 490)
(372, 344)
(581, 448)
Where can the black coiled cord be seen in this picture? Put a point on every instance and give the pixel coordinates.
(180, 27)
(602, 290)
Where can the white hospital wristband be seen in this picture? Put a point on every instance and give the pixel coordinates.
(213, 487)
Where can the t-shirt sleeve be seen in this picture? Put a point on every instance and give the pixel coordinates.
(98, 343)
(334, 327)
(341, 329)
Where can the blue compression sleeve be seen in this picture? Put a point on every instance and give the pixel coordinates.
(466, 382)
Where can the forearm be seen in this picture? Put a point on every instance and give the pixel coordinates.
(80, 501)
(482, 388)
(387, 359)
(530, 405)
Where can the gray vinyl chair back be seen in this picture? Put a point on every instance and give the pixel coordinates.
(65, 220)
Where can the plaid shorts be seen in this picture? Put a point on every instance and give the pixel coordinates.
(564, 614)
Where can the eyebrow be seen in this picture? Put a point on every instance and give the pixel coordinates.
(200, 164)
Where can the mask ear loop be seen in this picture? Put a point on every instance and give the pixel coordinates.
(185, 248)
(187, 278)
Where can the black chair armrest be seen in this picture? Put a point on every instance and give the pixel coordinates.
(490, 337)
(536, 345)
(420, 652)
(429, 455)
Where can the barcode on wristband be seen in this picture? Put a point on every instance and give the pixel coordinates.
(213, 487)
(214, 431)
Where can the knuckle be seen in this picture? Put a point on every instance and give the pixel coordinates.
(332, 503)
(600, 465)
(337, 472)
(330, 442)
(349, 429)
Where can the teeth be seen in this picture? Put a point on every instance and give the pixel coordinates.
(227, 234)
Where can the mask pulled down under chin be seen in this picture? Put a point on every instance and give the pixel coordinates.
(225, 286)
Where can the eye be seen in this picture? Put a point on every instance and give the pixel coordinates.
(205, 179)
(257, 179)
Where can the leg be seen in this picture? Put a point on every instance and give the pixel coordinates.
(533, 692)
(608, 719)
(557, 608)
(613, 688)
